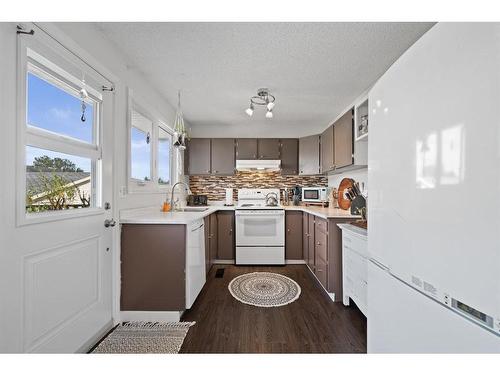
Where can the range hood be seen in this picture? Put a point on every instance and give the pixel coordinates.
(258, 165)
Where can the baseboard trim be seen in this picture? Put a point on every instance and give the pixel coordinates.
(295, 261)
(231, 261)
(90, 343)
(223, 261)
(151, 316)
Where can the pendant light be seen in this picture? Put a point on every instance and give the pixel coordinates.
(179, 129)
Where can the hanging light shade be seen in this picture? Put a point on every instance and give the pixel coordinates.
(179, 129)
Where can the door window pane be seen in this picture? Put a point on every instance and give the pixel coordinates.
(54, 109)
(57, 181)
(164, 146)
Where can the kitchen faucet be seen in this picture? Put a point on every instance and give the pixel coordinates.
(172, 193)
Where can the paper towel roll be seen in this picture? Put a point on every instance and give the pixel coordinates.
(229, 197)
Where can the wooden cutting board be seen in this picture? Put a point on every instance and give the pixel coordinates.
(346, 183)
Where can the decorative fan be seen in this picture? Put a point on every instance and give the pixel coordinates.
(180, 134)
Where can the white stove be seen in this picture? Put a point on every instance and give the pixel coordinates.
(260, 229)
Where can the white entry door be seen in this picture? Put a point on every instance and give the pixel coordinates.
(56, 273)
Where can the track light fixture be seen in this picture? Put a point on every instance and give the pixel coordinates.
(249, 110)
(263, 97)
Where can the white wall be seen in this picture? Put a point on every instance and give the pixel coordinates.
(359, 175)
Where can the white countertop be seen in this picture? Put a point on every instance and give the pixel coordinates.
(154, 215)
(354, 229)
(323, 212)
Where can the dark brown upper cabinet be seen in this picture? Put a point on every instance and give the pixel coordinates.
(198, 156)
(246, 148)
(289, 156)
(343, 139)
(268, 148)
(309, 160)
(223, 156)
(337, 144)
(327, 154)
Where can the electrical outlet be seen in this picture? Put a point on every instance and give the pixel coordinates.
(122, 192)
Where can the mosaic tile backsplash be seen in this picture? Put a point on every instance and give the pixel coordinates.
(213, 186)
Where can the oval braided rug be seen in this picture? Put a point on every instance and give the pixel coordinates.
(264, 289)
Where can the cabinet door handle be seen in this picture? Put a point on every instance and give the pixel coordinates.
(288, 230)
(317, 243)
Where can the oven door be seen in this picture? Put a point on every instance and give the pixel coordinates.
(260, 227)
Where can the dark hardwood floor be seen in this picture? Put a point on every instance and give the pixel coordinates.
(312, 324)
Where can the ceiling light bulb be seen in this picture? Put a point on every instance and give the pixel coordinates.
(270, 105)
(249, 110)
(269, 114)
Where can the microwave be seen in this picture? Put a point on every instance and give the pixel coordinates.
(314, 194)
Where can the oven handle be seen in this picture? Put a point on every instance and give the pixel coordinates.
(268, 214)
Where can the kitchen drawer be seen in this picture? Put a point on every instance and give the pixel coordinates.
(356, 264)
(321, 225)
(321, 245)
(355, 243)
(321, 272)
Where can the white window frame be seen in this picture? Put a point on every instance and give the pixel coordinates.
(166, 128)
(61, 69)
(136, 108)
(135, 186)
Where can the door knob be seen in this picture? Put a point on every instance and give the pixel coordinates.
(109, 223)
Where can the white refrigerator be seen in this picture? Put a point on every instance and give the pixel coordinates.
(434, 204)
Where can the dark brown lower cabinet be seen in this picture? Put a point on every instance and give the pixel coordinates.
(293, 235)
(208, 261)
(213, 238)
(225, 236)
(321, 271)
(310, 239)
(153, 260)
(210, 241)
(305, 236)
(322, 251)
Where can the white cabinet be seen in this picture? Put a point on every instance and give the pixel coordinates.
(354, 266)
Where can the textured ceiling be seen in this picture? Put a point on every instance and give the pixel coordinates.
(315, 70)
